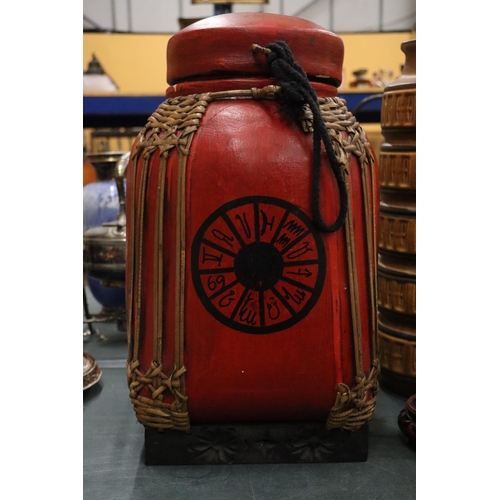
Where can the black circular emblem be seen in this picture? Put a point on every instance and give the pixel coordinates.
(258, 264)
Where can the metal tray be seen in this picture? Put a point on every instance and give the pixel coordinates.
(91, 371)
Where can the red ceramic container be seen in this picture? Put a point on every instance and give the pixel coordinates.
(239, 308)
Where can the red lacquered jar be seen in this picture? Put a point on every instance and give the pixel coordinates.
(239, 308)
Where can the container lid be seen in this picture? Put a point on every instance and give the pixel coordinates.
(221, 47)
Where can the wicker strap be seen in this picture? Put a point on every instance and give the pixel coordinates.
(353, 407)
(172, 125)
(349, 138)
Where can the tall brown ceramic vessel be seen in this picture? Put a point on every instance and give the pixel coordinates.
(397, 243)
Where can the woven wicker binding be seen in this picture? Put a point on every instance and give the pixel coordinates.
(152, 411)
(173, 124)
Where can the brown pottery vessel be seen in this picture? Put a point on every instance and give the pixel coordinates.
(397, 241)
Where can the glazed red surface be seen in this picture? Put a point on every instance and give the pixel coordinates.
(221, 46)
(248, 148)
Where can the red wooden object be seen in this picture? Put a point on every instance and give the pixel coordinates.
(240, 309)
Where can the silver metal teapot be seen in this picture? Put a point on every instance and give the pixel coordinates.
(104, 247)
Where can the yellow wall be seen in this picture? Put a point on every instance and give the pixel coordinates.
(373, 51)
(137, 62)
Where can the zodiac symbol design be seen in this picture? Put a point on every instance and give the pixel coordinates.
(258, 264)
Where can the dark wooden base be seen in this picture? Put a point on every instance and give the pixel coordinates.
(407, 420)
(255, 444)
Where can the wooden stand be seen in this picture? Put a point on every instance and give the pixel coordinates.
(255, 444)
(407, 420)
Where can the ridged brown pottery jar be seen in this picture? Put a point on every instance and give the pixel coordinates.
(397, 244)
(252, 325)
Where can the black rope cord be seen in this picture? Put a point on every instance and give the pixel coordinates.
(296, 91)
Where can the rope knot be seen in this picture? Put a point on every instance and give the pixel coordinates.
(294, 99)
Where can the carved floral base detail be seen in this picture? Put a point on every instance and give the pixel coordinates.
(255, 443)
